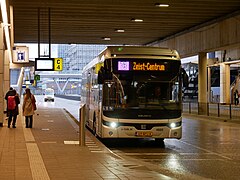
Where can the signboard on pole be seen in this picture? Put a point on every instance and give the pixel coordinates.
(48, 64)
(58, 64)
(44, 64)
(37, 77)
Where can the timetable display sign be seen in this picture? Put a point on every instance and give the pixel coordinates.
(44, 64)
(48, 64)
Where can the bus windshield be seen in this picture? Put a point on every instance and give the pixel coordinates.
(143, 90)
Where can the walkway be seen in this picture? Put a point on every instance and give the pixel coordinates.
(50, 150)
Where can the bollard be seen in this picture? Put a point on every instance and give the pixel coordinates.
(198, 104)
(82, 126)
(207, 109)
(218, 110)
(189, 107)
(230, 111)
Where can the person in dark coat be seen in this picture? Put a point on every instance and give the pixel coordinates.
(9, 93)
(12, 114)
(236, 97)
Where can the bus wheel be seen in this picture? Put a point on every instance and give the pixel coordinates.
(159, 140)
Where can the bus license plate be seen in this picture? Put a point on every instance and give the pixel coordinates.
(144, 134)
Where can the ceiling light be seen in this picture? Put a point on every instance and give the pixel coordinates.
(161, 5)
(119, 30)
(136, 20)
(106, 38)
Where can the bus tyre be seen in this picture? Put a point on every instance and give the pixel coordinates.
(159, 140)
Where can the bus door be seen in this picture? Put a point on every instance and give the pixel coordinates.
(99, 108)
(88, 94)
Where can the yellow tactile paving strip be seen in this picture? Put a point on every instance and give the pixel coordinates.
(37, 166)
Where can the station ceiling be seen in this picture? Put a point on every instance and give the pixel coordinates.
(89, 21)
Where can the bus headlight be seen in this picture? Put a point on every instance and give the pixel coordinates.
(113, 124)
(110, 124)
(173, 125)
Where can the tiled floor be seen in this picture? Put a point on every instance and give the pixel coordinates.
(50, 150)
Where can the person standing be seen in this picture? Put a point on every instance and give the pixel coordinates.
(236, 97)
(28, 108)
(12, 106)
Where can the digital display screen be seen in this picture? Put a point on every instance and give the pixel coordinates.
(147, 66)
(123, 66)
(44, 64)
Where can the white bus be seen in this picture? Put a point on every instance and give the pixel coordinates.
(133, 92)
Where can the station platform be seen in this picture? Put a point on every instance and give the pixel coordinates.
(50, 150)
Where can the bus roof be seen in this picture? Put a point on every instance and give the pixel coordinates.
(138, 50)
(134, 52)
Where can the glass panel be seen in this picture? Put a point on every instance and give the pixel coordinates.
(143, 90)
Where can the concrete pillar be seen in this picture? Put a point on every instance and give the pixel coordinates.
(209, 84)
(224, 83)
(202, 83)
(1, 76)
(6, 74)
(20, 81)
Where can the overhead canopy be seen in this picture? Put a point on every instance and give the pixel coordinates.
(88, 21)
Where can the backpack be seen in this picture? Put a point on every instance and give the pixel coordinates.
(11, 103)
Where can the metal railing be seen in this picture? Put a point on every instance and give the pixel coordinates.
(228, 111)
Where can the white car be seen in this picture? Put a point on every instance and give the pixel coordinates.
(49, 95)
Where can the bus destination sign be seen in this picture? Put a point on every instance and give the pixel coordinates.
(140, 66)
(148, 66)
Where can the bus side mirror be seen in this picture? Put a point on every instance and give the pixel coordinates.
(103, 75)
(100, 77)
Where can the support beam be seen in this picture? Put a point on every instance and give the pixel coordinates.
(20, 81)
(202, 83)
(59, 88)
(1, 76)
(224, 83)
(209, 84)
